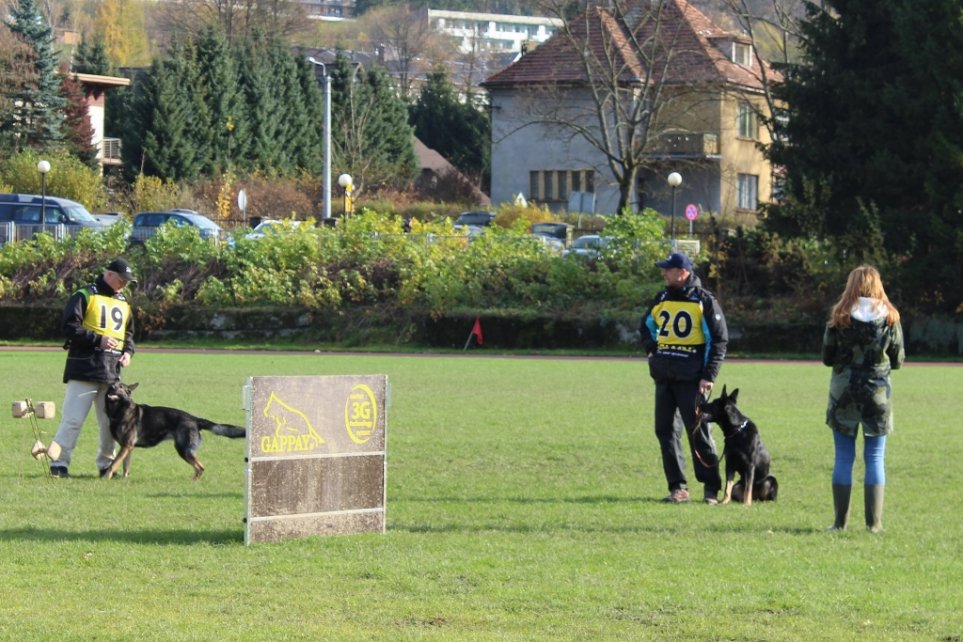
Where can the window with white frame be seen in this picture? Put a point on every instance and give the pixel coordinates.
(747, 192)
(742, 54)
(556, 185)
(748, 124)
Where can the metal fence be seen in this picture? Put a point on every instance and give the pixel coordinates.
(11, 232)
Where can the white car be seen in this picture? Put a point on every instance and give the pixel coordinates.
(271, 226)
(589, 246)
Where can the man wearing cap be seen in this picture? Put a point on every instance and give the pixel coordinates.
(99, 329)
(684, 333)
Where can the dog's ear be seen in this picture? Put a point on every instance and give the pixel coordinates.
(132, 387)
(723, 391)
(732, 397)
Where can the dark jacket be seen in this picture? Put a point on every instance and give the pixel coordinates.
(684, 333)
(86, 361)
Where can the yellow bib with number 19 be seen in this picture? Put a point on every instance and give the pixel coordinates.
(107, 316)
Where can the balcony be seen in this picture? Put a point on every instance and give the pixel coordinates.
(110, 151)
(687, 145)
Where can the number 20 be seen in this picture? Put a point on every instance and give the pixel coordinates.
(681, 324)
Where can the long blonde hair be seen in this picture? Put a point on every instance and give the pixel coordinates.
(863, 281)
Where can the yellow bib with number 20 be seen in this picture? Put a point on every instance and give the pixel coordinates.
(679, 323)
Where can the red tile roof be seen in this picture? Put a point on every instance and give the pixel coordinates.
(685, 50)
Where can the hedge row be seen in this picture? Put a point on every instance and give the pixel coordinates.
(385, 326)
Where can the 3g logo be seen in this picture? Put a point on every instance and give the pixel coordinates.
(680, 322)
(360, 413)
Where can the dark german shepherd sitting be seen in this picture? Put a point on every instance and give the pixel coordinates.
(134, 424)
(744, 451)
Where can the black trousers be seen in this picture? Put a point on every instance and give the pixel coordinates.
(675, 411)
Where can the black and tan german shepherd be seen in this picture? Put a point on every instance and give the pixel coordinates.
(744, 451)
(144, 426)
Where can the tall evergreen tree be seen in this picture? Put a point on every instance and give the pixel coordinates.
(199, 132)
(292, 121)
(39, 104)
(261, 102)
(219, 82)
(456, 130)
(91, 58)
(157, 142)
(872, 142)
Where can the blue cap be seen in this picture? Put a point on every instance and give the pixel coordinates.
(676, 260)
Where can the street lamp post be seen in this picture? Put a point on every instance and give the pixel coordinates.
(43, 167)
(326, 84)
(347, 183)
(675, 179)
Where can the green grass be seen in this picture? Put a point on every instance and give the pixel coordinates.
(522, 505)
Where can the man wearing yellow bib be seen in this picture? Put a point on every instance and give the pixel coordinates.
(684, 333)
(99, 329)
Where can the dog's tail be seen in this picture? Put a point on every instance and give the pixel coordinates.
(224, 430)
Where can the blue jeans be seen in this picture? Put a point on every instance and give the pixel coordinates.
(874, 456)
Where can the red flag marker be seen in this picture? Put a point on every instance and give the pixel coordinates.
(476, 331)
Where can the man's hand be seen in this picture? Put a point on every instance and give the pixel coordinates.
(124, 360)
(705, 387)
(108, 343)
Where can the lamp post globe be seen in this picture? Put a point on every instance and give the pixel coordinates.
(347, 183)
(43, 167)
(674, 179)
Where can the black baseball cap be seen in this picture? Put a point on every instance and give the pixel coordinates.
(122, 269)
(676, 260)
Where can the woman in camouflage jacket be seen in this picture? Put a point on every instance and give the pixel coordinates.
(863, 343)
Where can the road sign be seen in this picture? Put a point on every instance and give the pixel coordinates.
(691, 212)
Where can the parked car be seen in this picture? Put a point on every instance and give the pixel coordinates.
(588, 246)
(146, 225)
(271, 226)
(554, 230)
(553, 244)
(474, 222)
(31, 214)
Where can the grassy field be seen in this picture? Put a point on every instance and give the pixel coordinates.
(522, 505)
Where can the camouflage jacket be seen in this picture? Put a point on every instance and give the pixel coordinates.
(861, 357)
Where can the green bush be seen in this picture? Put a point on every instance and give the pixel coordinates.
(366, 260)
(68, 178)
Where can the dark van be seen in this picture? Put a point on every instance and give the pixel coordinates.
(30, 214)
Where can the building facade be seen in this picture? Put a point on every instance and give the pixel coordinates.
(492, 32)
(708, 126)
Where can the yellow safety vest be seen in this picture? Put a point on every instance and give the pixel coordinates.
(107, 316)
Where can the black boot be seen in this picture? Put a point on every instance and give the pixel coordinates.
(841, 495)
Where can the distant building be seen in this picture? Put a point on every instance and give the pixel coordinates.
(491, 31)
(329, 9)
(712, 134)
(94, 86)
